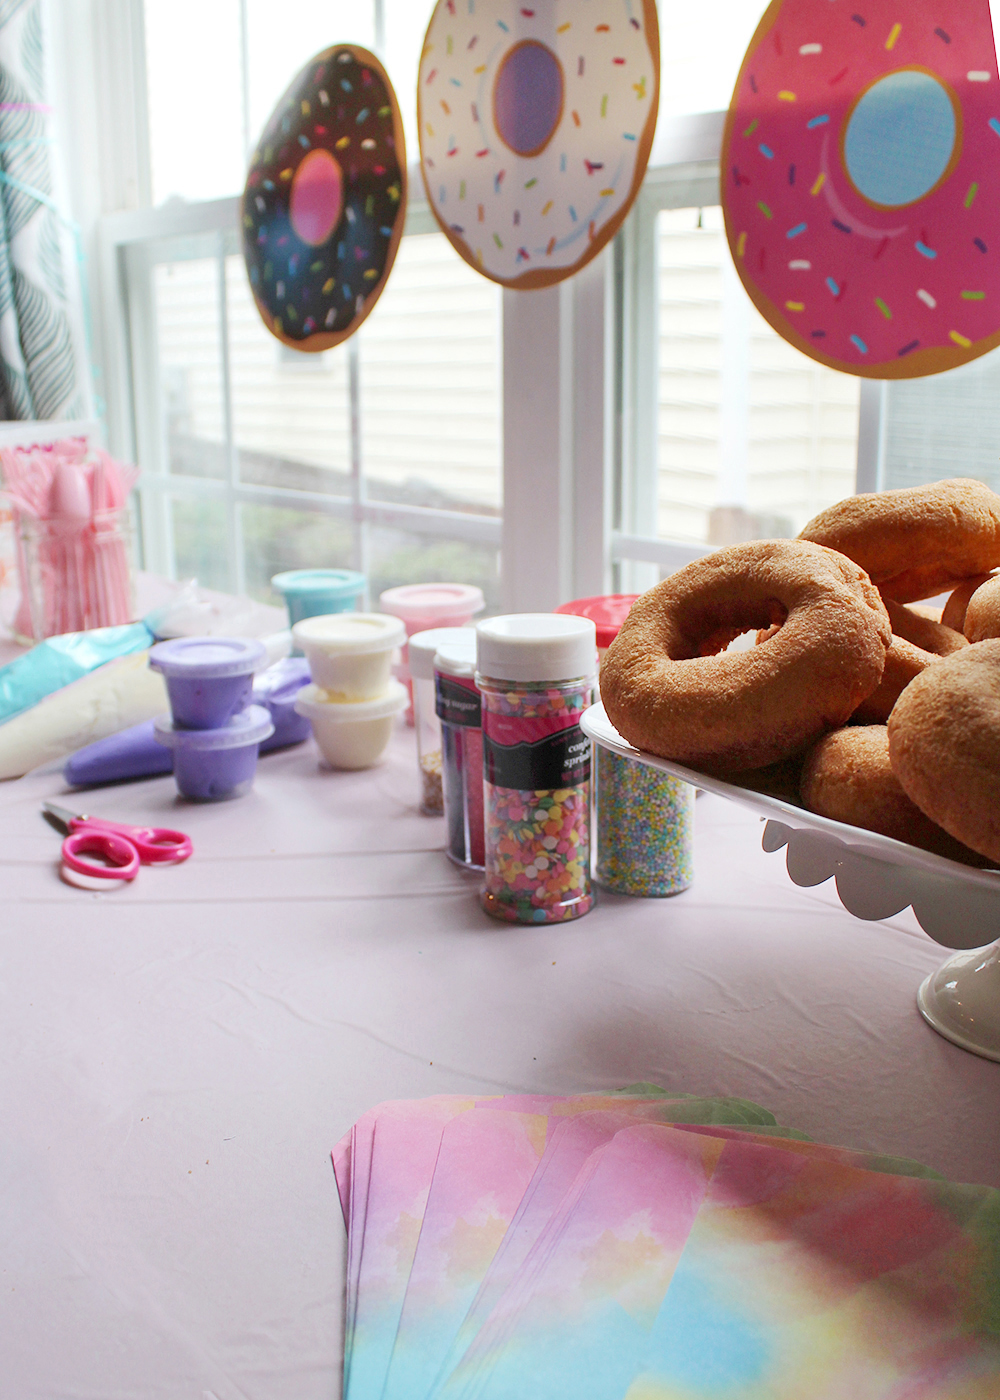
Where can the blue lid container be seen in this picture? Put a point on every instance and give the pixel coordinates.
(315, 592)
(211, 765)
(209, 679)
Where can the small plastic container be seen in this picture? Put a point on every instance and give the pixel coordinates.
(317, 592)
(350, 654)
(211, 765)
(420, 606)
(459, 709)
(645, 819)
(277, 689)
(422, 650)
(535, 674)
(209, 679)
(352, 736)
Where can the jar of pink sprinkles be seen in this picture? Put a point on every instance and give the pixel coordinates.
(535, 672)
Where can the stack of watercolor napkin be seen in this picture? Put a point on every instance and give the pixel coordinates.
(659, 1248)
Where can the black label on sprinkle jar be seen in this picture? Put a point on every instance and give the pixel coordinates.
(458, 702)
(559, 760)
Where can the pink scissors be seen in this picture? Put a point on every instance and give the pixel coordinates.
(122, 849)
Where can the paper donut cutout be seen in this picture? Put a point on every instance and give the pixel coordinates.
(861, 182)
(536, 123)
(325, 200)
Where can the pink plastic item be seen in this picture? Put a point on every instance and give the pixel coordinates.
(420, 606)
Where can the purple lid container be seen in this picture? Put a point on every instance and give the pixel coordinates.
(209, 679)
(211, 765)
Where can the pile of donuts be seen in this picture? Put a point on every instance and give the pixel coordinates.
(855, 700)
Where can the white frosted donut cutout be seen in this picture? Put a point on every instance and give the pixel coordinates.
(536, 123)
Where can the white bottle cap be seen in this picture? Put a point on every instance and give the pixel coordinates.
(422, 648)
(537, 647)
(457, 657)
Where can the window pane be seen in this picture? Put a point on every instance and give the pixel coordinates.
(191, 390)
(701, 49)
(753, 437)
(291, 412)
(396, 557)
(195, 98)
(276, 539)
(946, 425)
(430, 383)
(200, 542)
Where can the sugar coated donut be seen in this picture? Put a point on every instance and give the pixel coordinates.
(847, 776)
(861, 182)
(536, 123)
(918, 541)
(982, 616)
(944, 745)
(903, 661)
(926, 632)
(667, 692)
(325, 200)
(953, 614)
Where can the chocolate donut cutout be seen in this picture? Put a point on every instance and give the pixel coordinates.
(325, 200)
(861, 182)
(536, 124)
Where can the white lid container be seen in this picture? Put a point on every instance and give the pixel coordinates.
(423, 648)
(354, 735)
(536, 647)
(350, 654)
(457, 657)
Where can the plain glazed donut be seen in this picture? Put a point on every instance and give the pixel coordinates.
(982, 616)
(925, 632)
(903, 662)
(667, 691)
(944, 745)
(536, 123)
(847, 777)
(918, 541)
(860, 182)
(325, 200)
(953, 614)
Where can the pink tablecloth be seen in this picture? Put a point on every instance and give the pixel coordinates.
(177, 1058)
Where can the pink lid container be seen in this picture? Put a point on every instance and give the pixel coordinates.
(423, 605)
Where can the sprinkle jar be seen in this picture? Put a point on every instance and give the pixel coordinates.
(422, 650)
(645, 819)
(535, 674)
(460, 712)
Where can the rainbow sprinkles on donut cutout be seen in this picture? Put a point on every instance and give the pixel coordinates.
(536, 122)
(325, 200)
(861, 182)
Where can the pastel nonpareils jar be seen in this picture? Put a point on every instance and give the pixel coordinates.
(535, 674)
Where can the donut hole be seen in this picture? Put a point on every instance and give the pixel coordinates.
(316, 199)
(733, 626)
(528, 97)
(902, 138)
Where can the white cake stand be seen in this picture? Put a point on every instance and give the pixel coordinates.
(877, 877)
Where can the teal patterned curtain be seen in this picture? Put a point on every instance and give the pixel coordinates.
(42, 373)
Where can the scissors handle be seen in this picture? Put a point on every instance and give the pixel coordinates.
(120, 855)
(156, 845)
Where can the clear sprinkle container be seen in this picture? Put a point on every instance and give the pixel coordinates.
(422, 648)
(535, 674)
(645, 819)
(460, 713)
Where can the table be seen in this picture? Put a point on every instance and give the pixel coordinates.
(177, 1058)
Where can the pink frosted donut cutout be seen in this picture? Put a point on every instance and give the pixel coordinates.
(892, 275)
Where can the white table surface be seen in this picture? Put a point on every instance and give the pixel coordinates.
(177, 1058)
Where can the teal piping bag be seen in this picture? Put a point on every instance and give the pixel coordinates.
(57, 661)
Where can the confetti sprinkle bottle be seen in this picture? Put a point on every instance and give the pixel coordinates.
(536, 678)
(460, 712)
(645, 819)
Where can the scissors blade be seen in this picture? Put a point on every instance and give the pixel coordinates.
(59, 817)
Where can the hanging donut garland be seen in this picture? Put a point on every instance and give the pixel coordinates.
(536, 122)
(325, 200)
(861, 182)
